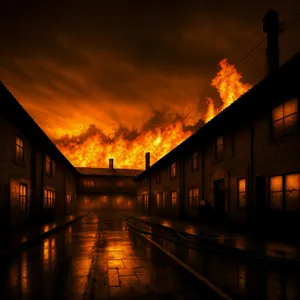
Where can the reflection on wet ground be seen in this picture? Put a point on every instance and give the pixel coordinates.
(239, 277)
(97, 258)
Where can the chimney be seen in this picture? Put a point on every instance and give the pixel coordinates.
(271, 28)
(111, 163)
(147, 160)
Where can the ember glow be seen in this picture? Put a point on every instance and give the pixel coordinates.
(93, 148)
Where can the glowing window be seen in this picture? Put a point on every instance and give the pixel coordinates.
(173, 170)
(195, 160)
(89, 183)
(23, 196)
(242, 192)
(292, 191)
(19, 149)
(285, 118)
(158, 200)
(174, 198)
(219, 147)
(276, 192)
(49, 199)
(193, 198)
(146, 201)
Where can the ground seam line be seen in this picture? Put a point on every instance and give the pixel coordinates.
(189, 269)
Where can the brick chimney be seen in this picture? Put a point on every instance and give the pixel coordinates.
(111, 163)
(147, 160)
(271, 28)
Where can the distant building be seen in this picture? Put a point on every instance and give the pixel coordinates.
(107, 187)
(243, 165)
(37, 182)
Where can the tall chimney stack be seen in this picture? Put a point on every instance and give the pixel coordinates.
(147, 160)
(271, 28)
(111, 163)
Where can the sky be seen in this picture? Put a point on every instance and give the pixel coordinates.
(77, 64)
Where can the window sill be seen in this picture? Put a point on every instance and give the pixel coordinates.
(19, 163)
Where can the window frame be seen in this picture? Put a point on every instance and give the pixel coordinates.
(239, 193)
(50, 165)
(25, 208)
(48, 199)
(173, 203)
(195, 158)
(173, 167)
(20, 159)
(193, 198)
(283, 193)
(284, 133)
(91, 183)
(219, 154)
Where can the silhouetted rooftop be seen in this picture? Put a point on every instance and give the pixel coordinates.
(109, 172)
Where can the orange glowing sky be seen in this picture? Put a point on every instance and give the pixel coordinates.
(100, 72)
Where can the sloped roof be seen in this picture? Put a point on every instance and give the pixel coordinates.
(109, 172)
(257, 98)
(14, 112)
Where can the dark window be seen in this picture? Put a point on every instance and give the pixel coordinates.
(285, 118)
(19, 149)
(242, 193)
(195, 159)
(285, 192)
(49, 199)
(219, 147)
(158, 200)
(48, 165)
(193, 198)
(120, 183)
(157, 177)
(23, 197)
(89, 183)
(173, 170)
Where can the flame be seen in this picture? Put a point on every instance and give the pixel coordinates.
(95, 150)
(229, 85)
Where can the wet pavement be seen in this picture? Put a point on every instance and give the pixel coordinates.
(239, 277)
(97, 258)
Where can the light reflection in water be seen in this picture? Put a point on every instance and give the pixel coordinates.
(241, 243)
(191, 230)
(242, 278)
(46, 228)
(24, 274)
(69, 235)
(49, 253)
(166, 223)
(281, 250)
(221, 238)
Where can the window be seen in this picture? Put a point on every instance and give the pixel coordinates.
(219, 147)
(158, 200)
(164, 200)
(157, 177)
(285, 118)
(193, 198)
(173, 198)
(48, 164)
(145, 182)
(242, 192)
(173, 170)
(107, 182)
(69, 198)
(146, 201)
(49, 199)
(285, 192)
(19, 149)
(89, 183)
(120, 183)
(23, 194)
(195, 160)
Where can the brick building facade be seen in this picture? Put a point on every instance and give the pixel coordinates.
(107, 187)
(36, 181)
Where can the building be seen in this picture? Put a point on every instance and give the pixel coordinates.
(36, 180)
(107, 187)
(243, 165)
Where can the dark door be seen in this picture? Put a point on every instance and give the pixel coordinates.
(219, 198)
(260, 196)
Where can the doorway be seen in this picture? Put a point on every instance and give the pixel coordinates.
(219, 199)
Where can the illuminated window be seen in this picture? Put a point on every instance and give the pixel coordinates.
(157, 177)
(49, 199)
(89, 183)
(69, 198)
(292, 191)
(193, 198)
(285, 118)
(174, 198)
(158, 200)
(219, 147)
(195, 160)
(19, 149)
(146, 201)
(48, 164)
(23, 196)
(120, 183)
(164, 200)
(242, 192)
(173, 170)
(276, 193)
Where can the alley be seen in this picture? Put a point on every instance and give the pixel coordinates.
(97, 258)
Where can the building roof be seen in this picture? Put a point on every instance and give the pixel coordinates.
(256, 99)
(12, 110)
(109, 172)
